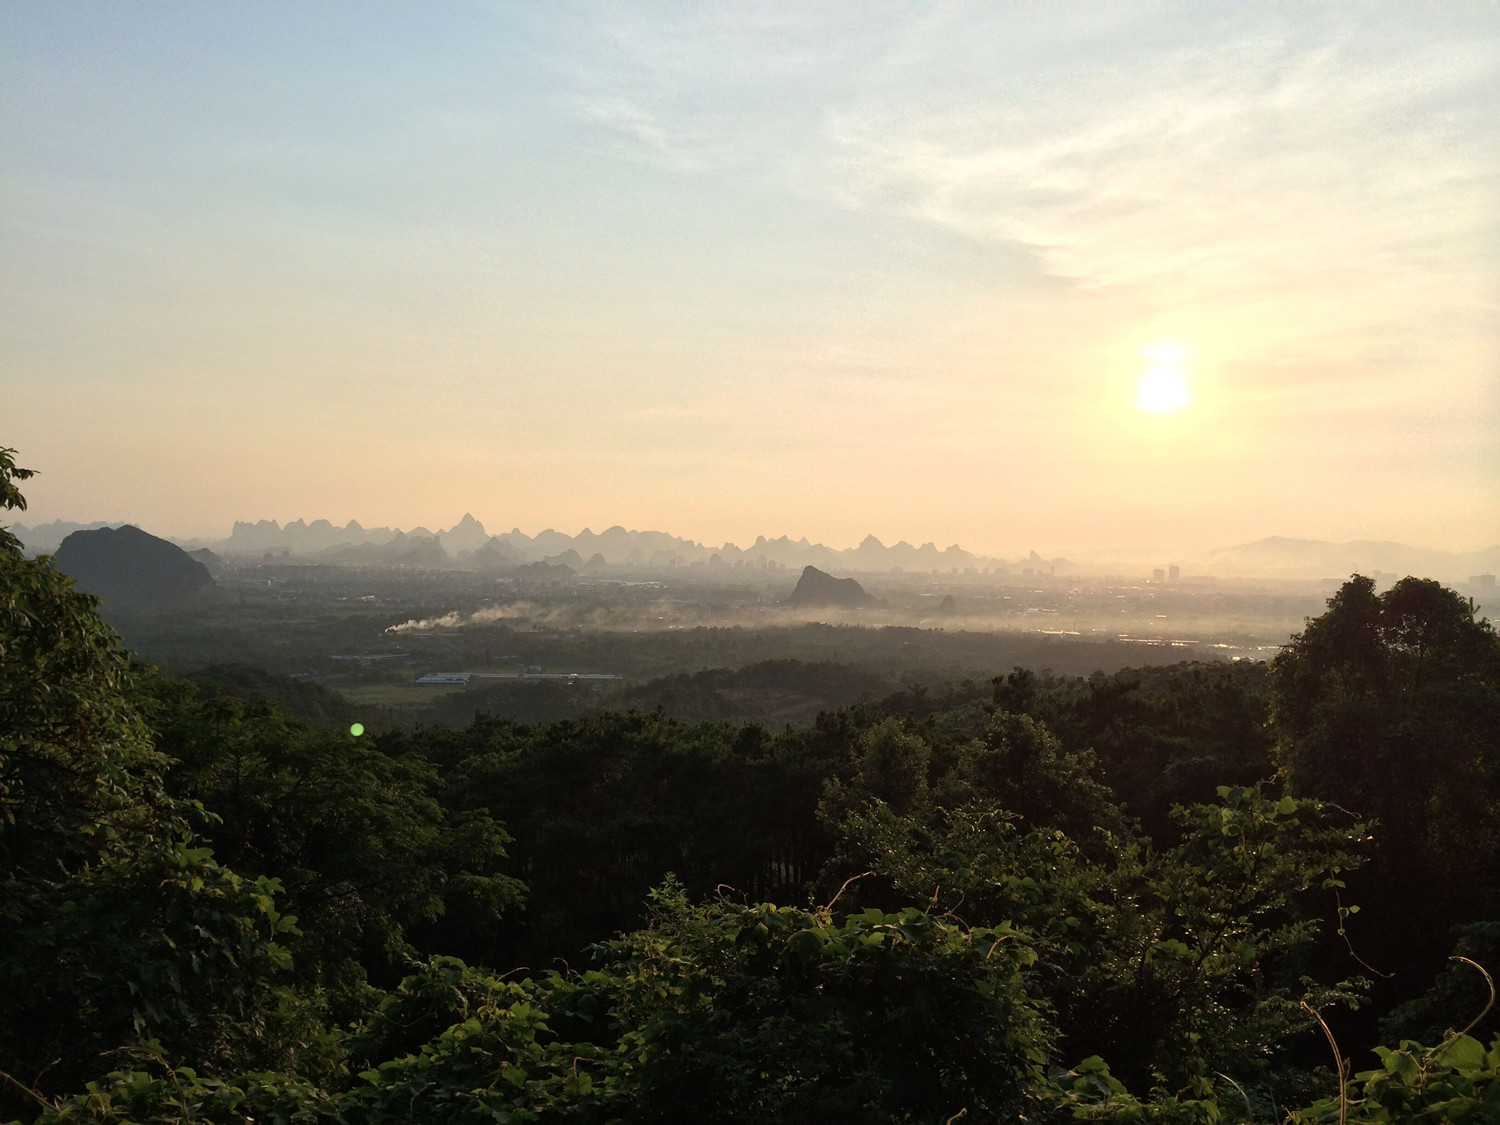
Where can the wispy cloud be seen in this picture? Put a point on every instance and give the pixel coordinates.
(1249, 171)
(641, 134)
(1269, 168)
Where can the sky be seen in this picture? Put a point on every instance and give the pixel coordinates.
(737, 269)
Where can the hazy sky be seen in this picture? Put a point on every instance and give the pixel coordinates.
(730, 269)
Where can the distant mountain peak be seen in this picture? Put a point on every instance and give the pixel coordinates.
(465, 537)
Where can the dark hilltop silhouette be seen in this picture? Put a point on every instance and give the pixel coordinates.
(210, 560)
(128, 566)
(815, 588)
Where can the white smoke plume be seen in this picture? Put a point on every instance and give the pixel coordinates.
(454, 620)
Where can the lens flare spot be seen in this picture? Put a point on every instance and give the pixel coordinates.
(357, 729)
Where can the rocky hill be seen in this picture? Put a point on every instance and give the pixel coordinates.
(816, 588)
(128, 566)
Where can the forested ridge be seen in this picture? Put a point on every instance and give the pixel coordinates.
(1152, 896)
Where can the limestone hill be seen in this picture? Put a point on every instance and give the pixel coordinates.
(128, 566)
(816, 588)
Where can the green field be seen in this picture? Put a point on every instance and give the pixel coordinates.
(397, 695)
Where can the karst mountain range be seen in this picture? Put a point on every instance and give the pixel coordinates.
(467, 543)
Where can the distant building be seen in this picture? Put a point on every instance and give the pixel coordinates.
(1159, 575)
(1174, 574)
(1483, 581)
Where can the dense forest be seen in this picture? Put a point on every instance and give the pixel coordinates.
(1195, 893)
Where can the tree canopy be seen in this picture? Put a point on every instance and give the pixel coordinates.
(929, 908)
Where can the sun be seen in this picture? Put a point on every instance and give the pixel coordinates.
(1162, 390)
(1163, 387)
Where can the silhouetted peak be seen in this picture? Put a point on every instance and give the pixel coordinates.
(817, 588)
(126, 564)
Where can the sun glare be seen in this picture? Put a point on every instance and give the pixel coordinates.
(1163, 387)
(1162, 390)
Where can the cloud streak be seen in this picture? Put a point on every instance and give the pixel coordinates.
(1269, 165)
(1208, 173)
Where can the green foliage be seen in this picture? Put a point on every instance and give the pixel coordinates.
(10, 496)
(890, 766)
(1020, 765)
(766, 1013)
(150, 1090)
(715, 1012)
(1390, 705)
(1163, 736)
(769, 691)
(311, 702)
(366, 850)
(1234, 887)
(1369, 646)
(77, 771)
(1171, 964)
(116, 929)
(495, 1055)
(1089, 1092)
(165, 944)
(1458, 1080)
(1157, 736)
(602, 808)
